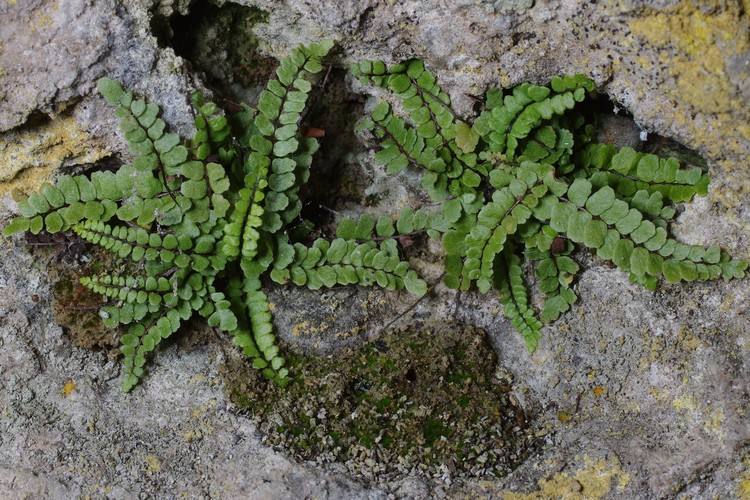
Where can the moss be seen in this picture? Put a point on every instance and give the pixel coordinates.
(391, 407)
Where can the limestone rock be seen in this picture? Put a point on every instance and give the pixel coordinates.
(633, 393)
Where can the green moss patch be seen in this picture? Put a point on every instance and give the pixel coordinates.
(416, 401)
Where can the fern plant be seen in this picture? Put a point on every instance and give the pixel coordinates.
(205, 220)
(526, 182)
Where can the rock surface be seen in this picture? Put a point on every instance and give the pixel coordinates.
(635, 393)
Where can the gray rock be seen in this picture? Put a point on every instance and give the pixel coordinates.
(634, 393)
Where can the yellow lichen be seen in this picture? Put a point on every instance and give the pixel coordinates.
(743, 484)
(27, 157)
(68, 388)
(714, 424)
(595, 479)
(201, 424)
(697, 45)
(154, 465)
(563, 416)
(689, 341)
(713, 419)
(684, 403)
(298, 328)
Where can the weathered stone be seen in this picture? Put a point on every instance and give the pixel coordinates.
(635, 393)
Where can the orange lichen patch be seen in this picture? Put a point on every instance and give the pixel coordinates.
(599, 391)
(68, 388)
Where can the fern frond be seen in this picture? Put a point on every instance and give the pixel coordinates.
(400, 142)
(508, 281)
(213, 130)
(156, 149)
(133, 289)
(143, 337)
(628, 171)
(139, 244)
(516, 115)
(241, 233)
(633, 243)
(437, 142)
(555, 271)
(56, 208)
(345, 262)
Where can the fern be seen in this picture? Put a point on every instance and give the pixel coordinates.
(205, 220)
(525, 181)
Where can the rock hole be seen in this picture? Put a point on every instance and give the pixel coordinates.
(615, 125)
(219, 44)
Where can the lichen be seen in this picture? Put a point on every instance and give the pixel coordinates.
(698, 49)
(743, 483)
(68, 388)
(31, 154)
(697, 45)
(697, 58)
(595, 479)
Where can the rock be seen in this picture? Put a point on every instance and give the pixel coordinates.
(637, 393)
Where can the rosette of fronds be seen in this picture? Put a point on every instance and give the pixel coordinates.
(524, 181)
(204, 221)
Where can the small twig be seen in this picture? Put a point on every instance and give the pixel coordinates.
(83, 308)
(330, 210)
